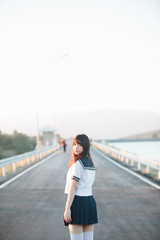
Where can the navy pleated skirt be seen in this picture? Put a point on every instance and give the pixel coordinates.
(84, 210)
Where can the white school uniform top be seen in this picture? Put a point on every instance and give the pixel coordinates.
(83, 172)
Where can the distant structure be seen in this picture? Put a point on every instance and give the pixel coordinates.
(48, 136)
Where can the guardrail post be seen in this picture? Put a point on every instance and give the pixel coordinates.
(14, 167)
(22, 163)
(121, 158)
(139, 166)
(33, 158)
(126, 160)
(28, 161)
(4, 171)
(132, 162)
(158, 175)
(147, 169)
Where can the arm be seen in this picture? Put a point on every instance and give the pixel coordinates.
(71, 194)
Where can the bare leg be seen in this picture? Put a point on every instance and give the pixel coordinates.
(88, 232)
(88, 228)
(76, 232)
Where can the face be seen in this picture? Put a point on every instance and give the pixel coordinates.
(77, 148)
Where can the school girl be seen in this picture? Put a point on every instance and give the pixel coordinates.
(80, 212)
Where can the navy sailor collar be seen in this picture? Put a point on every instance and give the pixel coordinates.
(86, 163)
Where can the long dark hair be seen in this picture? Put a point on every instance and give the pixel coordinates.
(84, 141)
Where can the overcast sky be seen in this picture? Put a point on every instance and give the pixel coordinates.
(84, 54)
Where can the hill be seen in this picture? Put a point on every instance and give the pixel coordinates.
(98, 124)
(148, 135)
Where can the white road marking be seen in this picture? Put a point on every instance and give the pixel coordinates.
(128, 170)
(27, 170)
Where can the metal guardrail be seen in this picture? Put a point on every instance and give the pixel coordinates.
(142, 163)
(9, 165)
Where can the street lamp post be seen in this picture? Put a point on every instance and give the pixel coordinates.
(37, 113)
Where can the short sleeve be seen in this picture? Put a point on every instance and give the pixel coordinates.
(77, 171)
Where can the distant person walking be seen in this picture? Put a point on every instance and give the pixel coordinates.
(80, 212)
(64, 145)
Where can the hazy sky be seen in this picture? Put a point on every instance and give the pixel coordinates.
(111, 48)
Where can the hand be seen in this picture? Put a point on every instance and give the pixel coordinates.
(67, 215)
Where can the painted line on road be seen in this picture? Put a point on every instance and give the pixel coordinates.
(27, 170)
(127, 170)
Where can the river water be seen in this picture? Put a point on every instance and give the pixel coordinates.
(149, 149)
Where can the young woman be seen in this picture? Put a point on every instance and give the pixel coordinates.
(80, 212)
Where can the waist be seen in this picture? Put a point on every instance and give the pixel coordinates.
(83, 192)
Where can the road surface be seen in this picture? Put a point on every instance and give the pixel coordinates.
(31, 207)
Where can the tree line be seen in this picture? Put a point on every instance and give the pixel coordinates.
(17, 143)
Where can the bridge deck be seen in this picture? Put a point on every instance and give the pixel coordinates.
(31, 208)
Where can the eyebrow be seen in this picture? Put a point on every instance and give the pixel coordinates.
(78, 142)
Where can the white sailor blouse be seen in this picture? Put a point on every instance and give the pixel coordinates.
(83, 172)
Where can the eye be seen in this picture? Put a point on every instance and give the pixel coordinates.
(77, 143)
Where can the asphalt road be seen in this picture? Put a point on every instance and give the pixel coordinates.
(31, 207)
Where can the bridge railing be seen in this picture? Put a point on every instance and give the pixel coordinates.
(147, 166)
(12, 164)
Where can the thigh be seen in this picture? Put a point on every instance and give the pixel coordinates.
(88, 228)
(75, 229)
